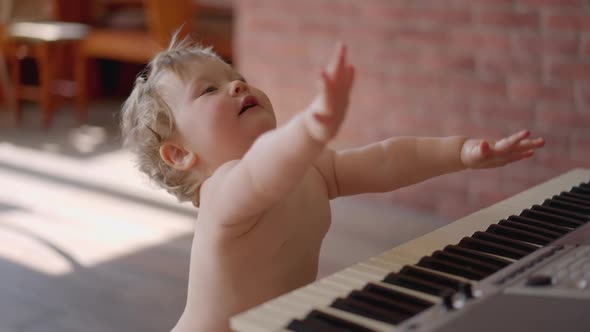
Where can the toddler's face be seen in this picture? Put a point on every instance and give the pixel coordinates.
(218, 115)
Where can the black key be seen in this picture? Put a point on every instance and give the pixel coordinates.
(365, 309)
(425, 274)
(567, 218)
(518, 234)
(581, 190)
(576, 195)
(496, 261)
(541, 224)
(451, 268)
(311, 325)
(399, 310)
(472, 263)
(568, 206)
(504, 240)
(573, 200)
(420, 285)
(335, 322)
(492, 248)
(531, 229)
(397, 296)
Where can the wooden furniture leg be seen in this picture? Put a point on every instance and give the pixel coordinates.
(81, 81)
(46, 81)
(16, 84)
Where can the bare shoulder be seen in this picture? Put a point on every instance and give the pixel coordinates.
(213, 182)
(325, 166)
(217, 209)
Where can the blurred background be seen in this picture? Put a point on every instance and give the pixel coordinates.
(88, 244)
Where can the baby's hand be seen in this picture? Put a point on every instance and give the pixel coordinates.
(326, 113)
(479, 153)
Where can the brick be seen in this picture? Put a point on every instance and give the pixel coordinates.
(485, 3)
(463, 125)
(347, 9)
(439, 61)
(561, 117)
(559, 161)
(411, 79)
(568, 22)
(536, 45)
(530, 90)
(444, 16)
(414, 123)
(503, 112)
(579, 148)
(585, 45)
(554, 141)
(477, 87)
(412, 37)
(582, 90)
(495, 65)
(396, 56)
(479, 41)
(579, 70)
(430, 16)
(508, 19)
(551, 3)
(447, 104)
(384, 10)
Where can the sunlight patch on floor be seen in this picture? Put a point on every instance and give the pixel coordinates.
(90, 226)
(28, 251)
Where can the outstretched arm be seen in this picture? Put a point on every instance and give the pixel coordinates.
(278, 160)
(403, 161)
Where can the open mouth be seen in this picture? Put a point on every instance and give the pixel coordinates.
(247, 103)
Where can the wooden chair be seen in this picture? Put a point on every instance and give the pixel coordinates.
(5, 84)
(163, 18)
(46, 42)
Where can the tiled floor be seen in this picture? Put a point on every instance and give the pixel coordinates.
(86, 244)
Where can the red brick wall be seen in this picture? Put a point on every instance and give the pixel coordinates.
(439, 67)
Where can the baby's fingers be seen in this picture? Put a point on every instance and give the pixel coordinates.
(338, 59)
(508, 143)
(521, 155)
(527, 144)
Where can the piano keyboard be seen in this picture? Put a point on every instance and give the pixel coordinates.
(437, 273)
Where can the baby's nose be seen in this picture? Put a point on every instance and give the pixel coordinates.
(238, 87)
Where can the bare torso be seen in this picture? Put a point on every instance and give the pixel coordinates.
(230, 274)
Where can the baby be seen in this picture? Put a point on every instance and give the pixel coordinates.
(206, 135)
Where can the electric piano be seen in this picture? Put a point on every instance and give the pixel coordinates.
(521, 264)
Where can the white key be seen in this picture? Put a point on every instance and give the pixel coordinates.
(360, 320)
(344, 278)
(420, 295)
(269, 319)
(452, 276)
(369, 271)
(315, 299)
(260, 320)
(380, 263)
(326, 289)
(394, 257)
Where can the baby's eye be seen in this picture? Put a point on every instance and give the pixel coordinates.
(209, 90)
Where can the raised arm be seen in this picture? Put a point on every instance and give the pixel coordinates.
(402, 161)
(279, 159)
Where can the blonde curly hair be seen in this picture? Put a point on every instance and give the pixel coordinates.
(147, 120)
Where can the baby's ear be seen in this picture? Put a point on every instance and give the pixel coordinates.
(177, 157)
